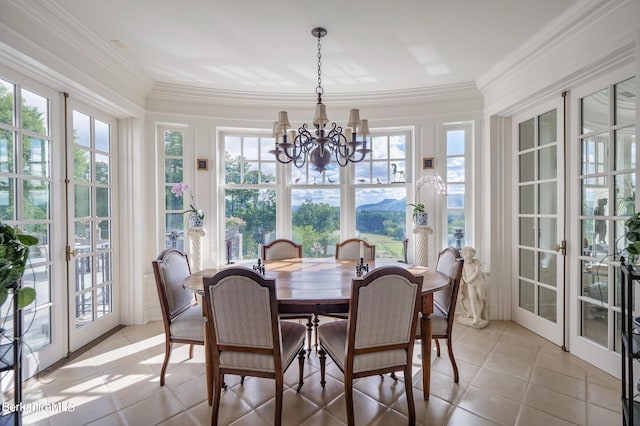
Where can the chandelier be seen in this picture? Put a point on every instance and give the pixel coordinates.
(319, 144)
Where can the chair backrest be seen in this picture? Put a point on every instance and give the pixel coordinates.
(242, 316)
(383, 315)
(281, 249)
(170, 269)
(449, 263)
(350, 250)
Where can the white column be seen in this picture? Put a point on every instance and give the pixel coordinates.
(195, 247)
(422, 233)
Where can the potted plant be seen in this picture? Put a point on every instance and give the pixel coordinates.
(196, 216)
(633, 236)
(420, 216)
(14, 253)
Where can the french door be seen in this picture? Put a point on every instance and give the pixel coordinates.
(91, 230)
(538, 281)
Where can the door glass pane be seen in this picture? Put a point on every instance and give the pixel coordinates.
(81, 129)
(102, 135)
(527, 135)
(527, 166)
(81, 165)
(35, 112)
(547, 128)
(594, 154)
(548, 268)
(548, 202)
(82, 200)
(595, 196)
(547, 234)
(7, 97)
(595, 111)
(38, 335)
(626, 101)
(527, 295)
(7, 149)
(527, 231)
(527, 264)
(625, 148)
(595, 280)
(7, 199)
(547, 302)
(103, 202)
(103, 174)
(625, 193)
(84, 309)
(594, 323)
(548, 159)
(104, 300)
(35, 156)
(35, 199)
(527, 199)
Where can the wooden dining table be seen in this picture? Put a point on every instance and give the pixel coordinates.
(322, 285)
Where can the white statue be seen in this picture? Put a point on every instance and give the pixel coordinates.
(473, 288)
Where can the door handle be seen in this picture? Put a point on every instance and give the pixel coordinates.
(70, 253)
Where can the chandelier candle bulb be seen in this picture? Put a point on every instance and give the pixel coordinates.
(259, 251)
(361, 250)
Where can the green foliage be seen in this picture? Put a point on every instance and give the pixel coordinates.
(633, 235)
(14, 253)
(321, 216)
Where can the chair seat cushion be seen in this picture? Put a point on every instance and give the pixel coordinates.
(333, 338)
(292, 334)
(189, 325)
(438, 325)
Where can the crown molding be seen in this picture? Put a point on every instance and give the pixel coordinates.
(173, 92)
(580, 15)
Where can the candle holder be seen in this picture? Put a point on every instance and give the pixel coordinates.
(361, 267)
(259, 267)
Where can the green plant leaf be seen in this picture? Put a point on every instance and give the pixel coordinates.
(27, 240)
(3, 295)
(25, 296)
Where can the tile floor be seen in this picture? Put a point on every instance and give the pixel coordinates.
(508, 376)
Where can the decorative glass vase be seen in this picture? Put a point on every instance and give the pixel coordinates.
(420, 218)
(195, 221)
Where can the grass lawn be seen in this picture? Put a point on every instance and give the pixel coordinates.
(386, 246)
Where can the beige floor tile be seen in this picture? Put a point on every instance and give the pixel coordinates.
(490, 405)
(529, 416)
(558, 382)
(157, 408)
(501, 384)
(366, 409)
(554, 403)
(295, 408)
(508, 376)
(603, 396)
(460, 417)
(598, 416)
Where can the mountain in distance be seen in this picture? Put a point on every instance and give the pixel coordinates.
(386, 205)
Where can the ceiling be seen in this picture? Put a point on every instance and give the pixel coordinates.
(267, 47)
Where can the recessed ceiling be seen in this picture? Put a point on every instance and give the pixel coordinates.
(267, 46)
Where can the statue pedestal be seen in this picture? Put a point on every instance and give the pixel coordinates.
(468, 321)
(422, 233)
(195, 248)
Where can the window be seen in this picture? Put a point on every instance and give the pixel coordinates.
(173, 149)
(25, 198)
(316, 209)
(607, 188)
(250, 194)
(455, 137)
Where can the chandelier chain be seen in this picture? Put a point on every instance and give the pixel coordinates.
(319, 89)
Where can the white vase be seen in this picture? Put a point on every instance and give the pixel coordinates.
(195, 221)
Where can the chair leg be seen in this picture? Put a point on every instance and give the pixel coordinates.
(165, 363)
(191, 351)
(216, 399)
(437, 347)
(323, 361)
(279, 392)
(316, 322)
(408, 389)
(456, 377)
(301, 355)
(348, 398)
(309, 331)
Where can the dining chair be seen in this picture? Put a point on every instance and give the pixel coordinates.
(245, 334)
(444, 305)
(379, 334)
(350, 250)
(287, 249)
(182, 317)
